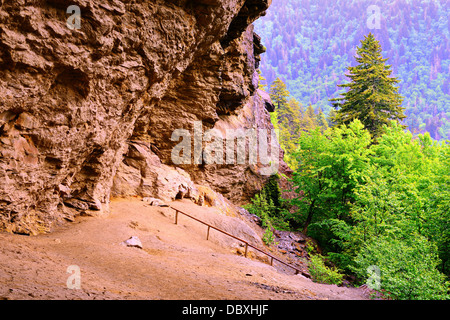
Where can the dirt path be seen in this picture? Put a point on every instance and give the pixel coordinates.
(177, 262)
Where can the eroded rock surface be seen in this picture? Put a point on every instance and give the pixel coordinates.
(71, 101)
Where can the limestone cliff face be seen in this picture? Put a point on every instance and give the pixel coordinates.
(90, 110)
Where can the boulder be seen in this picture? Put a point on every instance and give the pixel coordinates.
(154, 202)
(132, 242)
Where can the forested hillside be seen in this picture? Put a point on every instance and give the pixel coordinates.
(371, 192)
(310, 43)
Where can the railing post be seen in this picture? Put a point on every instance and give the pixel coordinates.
(246, 243)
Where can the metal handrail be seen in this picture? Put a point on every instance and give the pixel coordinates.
(237, 238)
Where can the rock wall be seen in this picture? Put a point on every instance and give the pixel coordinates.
(76, 104)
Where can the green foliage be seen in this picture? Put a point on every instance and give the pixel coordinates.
(285, 118)
(408, 267)
(322, 273)
(330, 166)
(311, 247)
(406, 191)
(291, 120)
(384, 204)
(262, 81)
(269, 206)
(261, 206)
(273, 192)
(279, 94)
(268, 237)
(372, 96)
(310, 44)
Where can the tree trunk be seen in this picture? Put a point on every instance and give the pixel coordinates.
(309, 217)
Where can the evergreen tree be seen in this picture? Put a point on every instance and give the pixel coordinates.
(372, 96)
(309, 118)
(291, 120)
(285, 118)
(331, 117)
(278, 93)
(262, 81)
(289, 117)
(322, 120)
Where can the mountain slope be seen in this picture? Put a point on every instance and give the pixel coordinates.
(311, 42)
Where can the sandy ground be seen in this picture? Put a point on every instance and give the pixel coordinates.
(176, 262)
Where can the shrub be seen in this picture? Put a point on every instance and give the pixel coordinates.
(261, 206)
(407, 267)
(323, 274)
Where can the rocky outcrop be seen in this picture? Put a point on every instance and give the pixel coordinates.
(220, 91)
(142, 174)
(73, 99)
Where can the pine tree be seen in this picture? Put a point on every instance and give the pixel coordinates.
(322, 120)
(289, 117)
(286, 118)
(372, 96)
(309, 121)
(331, 117)
(279, 93)
(262, 81)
